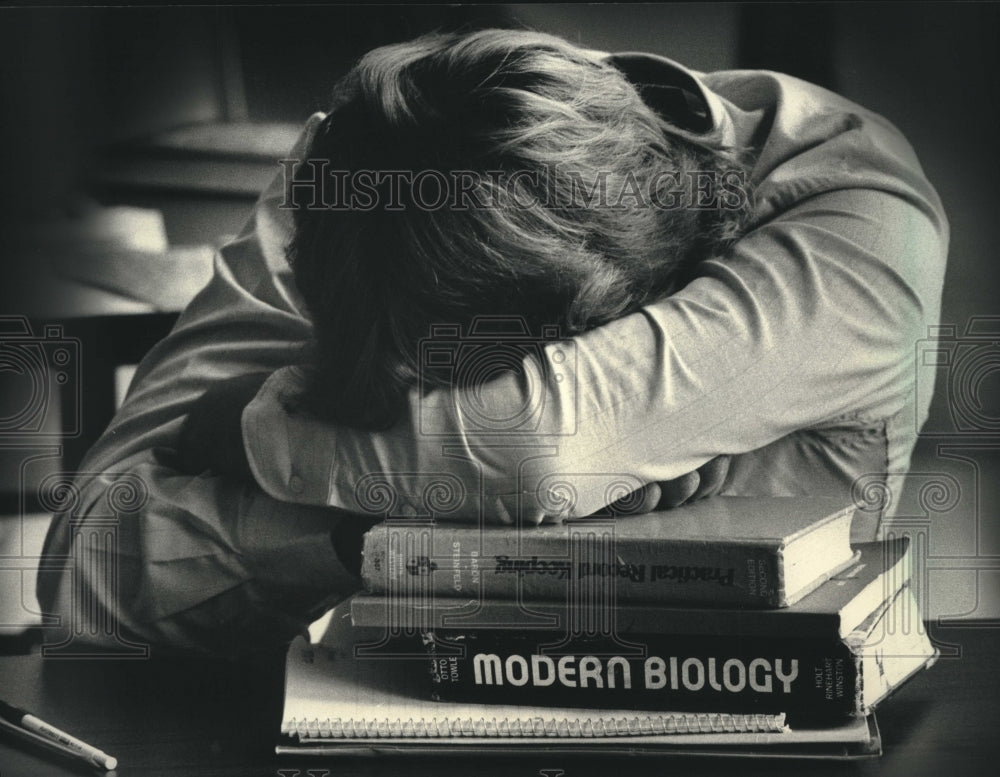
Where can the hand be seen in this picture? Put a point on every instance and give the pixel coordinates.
(211, 438)
(707, 480)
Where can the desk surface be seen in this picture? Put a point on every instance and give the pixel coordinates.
(189, 717)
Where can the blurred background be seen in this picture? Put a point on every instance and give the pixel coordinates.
(135, 139)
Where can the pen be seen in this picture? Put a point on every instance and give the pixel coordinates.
(47, 734)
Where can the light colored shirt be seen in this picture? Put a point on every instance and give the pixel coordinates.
(794, 353)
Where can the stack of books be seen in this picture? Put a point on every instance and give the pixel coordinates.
(730, 626)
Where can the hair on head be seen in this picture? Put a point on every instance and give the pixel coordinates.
(551, 222)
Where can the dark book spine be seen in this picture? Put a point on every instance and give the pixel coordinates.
(419, 561)
(816, 679)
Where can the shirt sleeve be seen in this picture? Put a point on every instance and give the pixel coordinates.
(812, 319)
(199, 562)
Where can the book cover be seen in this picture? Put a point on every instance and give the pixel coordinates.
(750, 551)
(805, 677)
(832, 610)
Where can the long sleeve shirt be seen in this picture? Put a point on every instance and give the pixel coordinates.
(794, 353)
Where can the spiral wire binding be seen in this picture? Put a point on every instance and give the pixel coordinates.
(535, 726)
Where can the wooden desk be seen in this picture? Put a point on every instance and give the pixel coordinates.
(189, 717)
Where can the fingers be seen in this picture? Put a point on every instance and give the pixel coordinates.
(643, 500)
(712, 476)
(677, 491)
(707, 480)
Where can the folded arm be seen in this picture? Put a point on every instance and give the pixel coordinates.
(810, 321)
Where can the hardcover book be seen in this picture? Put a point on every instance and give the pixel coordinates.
(833, 610)
(748, 551)
(805, 677)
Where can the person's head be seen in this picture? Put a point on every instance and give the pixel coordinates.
(492, 173)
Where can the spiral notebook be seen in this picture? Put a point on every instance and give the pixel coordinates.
(337, 703)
